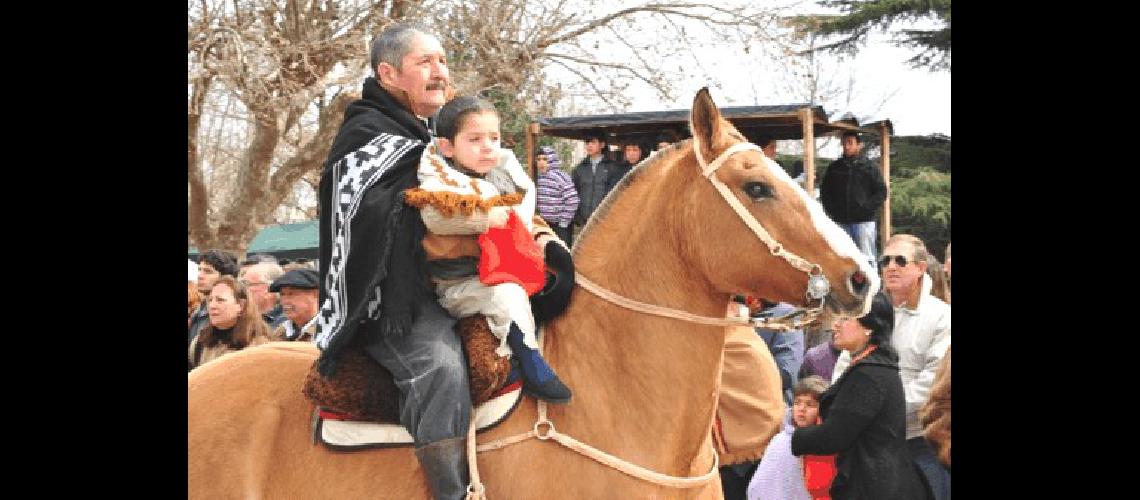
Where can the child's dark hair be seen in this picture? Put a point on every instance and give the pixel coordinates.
(452, 114)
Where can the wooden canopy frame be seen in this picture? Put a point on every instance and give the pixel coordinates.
(778, 122)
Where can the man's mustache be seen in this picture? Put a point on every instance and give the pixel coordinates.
(437, 85)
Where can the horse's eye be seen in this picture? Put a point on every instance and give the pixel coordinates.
(758, 190)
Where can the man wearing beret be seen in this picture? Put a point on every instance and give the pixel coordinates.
(298, 290)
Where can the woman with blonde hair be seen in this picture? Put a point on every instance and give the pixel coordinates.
(235, 323)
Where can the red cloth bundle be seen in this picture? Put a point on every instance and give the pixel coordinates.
(510, 255)
(819, 471)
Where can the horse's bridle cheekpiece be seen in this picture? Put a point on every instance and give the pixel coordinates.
(817, 286)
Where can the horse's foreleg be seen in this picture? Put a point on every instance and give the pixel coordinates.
(262, 442)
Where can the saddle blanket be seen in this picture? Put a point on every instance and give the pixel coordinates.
(341, 432)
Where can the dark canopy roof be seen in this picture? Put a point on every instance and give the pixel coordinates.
(780, 122)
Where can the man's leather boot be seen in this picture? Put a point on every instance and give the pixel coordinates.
(444, 463)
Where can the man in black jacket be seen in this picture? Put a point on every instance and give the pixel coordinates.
(852, 192)
(590, 176)
(371, 293)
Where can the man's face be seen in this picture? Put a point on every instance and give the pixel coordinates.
(299, 304)
(901, 281)
(593, 147)
(423, 74)
(632, 154)
(207, 276)
(851, 146)
(259, 290)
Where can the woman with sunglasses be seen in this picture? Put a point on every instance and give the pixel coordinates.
(864, 416)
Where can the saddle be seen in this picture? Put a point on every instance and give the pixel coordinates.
(359, 406)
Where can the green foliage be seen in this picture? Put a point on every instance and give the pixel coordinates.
(920, 205)
(861, 16)
(920, 189)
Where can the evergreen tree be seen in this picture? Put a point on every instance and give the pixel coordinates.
(861, 16)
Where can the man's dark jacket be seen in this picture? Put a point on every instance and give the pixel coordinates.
(591, 184)
(384, 251)
(852, 190)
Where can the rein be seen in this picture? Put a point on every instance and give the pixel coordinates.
(794, 320)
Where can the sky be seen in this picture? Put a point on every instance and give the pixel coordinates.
(883, 85)
(915, 100)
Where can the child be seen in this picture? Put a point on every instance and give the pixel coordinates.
(476, 189)
(783, 475)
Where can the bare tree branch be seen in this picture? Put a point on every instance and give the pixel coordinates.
(310, 158)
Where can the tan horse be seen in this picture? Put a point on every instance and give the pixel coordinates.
(645, 386)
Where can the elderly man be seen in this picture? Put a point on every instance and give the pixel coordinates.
(371, 284)
(299, 290)
(258, 278)
(921, 337)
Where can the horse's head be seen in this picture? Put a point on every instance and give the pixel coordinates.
(734, 256)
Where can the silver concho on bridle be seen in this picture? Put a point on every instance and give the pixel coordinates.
(817, 286)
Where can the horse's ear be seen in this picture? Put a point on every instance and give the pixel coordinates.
(704, 121)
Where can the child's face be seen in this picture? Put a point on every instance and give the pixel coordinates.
(805, 410)
(476, 145)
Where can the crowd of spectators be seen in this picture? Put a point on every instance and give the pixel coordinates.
(232, 306)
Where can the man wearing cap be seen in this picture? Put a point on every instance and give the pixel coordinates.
(298, 290)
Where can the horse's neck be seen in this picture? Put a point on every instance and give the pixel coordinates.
(654, 379)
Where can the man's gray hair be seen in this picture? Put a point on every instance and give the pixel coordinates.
(392, 44)
(267, 271)
(920, 251)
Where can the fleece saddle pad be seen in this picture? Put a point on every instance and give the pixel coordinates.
(364, 389)
(339, 431)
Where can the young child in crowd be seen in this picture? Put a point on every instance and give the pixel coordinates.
(477, 186)
(783, 475)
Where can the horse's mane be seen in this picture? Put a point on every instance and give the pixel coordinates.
(666, 156)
